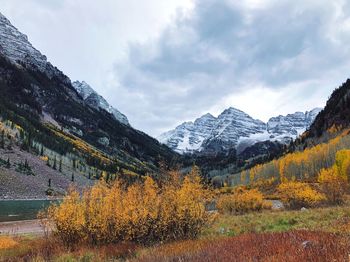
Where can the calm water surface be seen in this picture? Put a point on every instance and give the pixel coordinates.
(13, 210)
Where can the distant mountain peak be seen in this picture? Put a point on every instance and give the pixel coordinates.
(95, 100)
(235, 128)
(207, 115)
(233, 110)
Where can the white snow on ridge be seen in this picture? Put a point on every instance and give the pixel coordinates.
(234, 127)
(92, 98)
(15, 46)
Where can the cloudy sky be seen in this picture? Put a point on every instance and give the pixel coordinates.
(162, 62)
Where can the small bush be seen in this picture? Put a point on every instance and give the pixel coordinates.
(298, 194)
(141, 213)
(333, 185)
(241, 201)
(7, 242)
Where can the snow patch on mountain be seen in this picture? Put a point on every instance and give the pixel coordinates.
(189, 136)
(92, 98)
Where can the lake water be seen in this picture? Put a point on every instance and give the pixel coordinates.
(13, 210)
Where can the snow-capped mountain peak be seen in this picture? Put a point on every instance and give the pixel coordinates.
(92, 98)
(15, 46)
(234, 128)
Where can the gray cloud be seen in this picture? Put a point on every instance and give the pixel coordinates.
(265, 57)
(223, 48)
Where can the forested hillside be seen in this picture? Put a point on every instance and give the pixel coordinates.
(46, 117)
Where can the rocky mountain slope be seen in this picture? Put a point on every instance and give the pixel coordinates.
(42, 101)
(15, 46)
(92, 98)
(335, 115)
(235, 129)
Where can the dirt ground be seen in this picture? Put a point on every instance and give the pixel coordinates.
(21, 227)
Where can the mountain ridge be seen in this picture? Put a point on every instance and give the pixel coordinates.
(92, 98)
(234, 128)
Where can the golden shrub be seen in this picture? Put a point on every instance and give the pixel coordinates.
(241, 201)
(296, 194)
(142, 212)
(44, 158)
(69, 217)
(7, 242)
(333, 185)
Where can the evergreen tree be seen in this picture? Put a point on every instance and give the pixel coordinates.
(21, 134)
(60, 166)
(49, 182)
(8, 164)
(54, 164)
(2, 144)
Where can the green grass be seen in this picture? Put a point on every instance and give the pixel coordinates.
(329, 219)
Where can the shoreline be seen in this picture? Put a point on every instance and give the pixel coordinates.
(30, 199)
(22, 227)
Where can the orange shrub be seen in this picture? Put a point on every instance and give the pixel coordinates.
(333, 185)
(142, 213)
(7, 242)
(241, 201)
(69, 217)
(298, 194)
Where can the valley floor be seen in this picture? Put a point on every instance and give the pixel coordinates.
(321, 234)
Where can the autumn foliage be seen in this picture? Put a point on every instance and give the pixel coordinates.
(141, 213)
(334, 183)
(7, 242)
(241, 201)
(294, 246)
(296, 194)
(304, 165)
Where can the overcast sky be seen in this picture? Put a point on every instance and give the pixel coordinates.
(162, 62)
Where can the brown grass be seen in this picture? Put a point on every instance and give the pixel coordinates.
(287, 246)
(51, 249)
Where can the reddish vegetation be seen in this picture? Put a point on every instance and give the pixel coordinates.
(49, 249)
(287, 246)
(293, 246)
